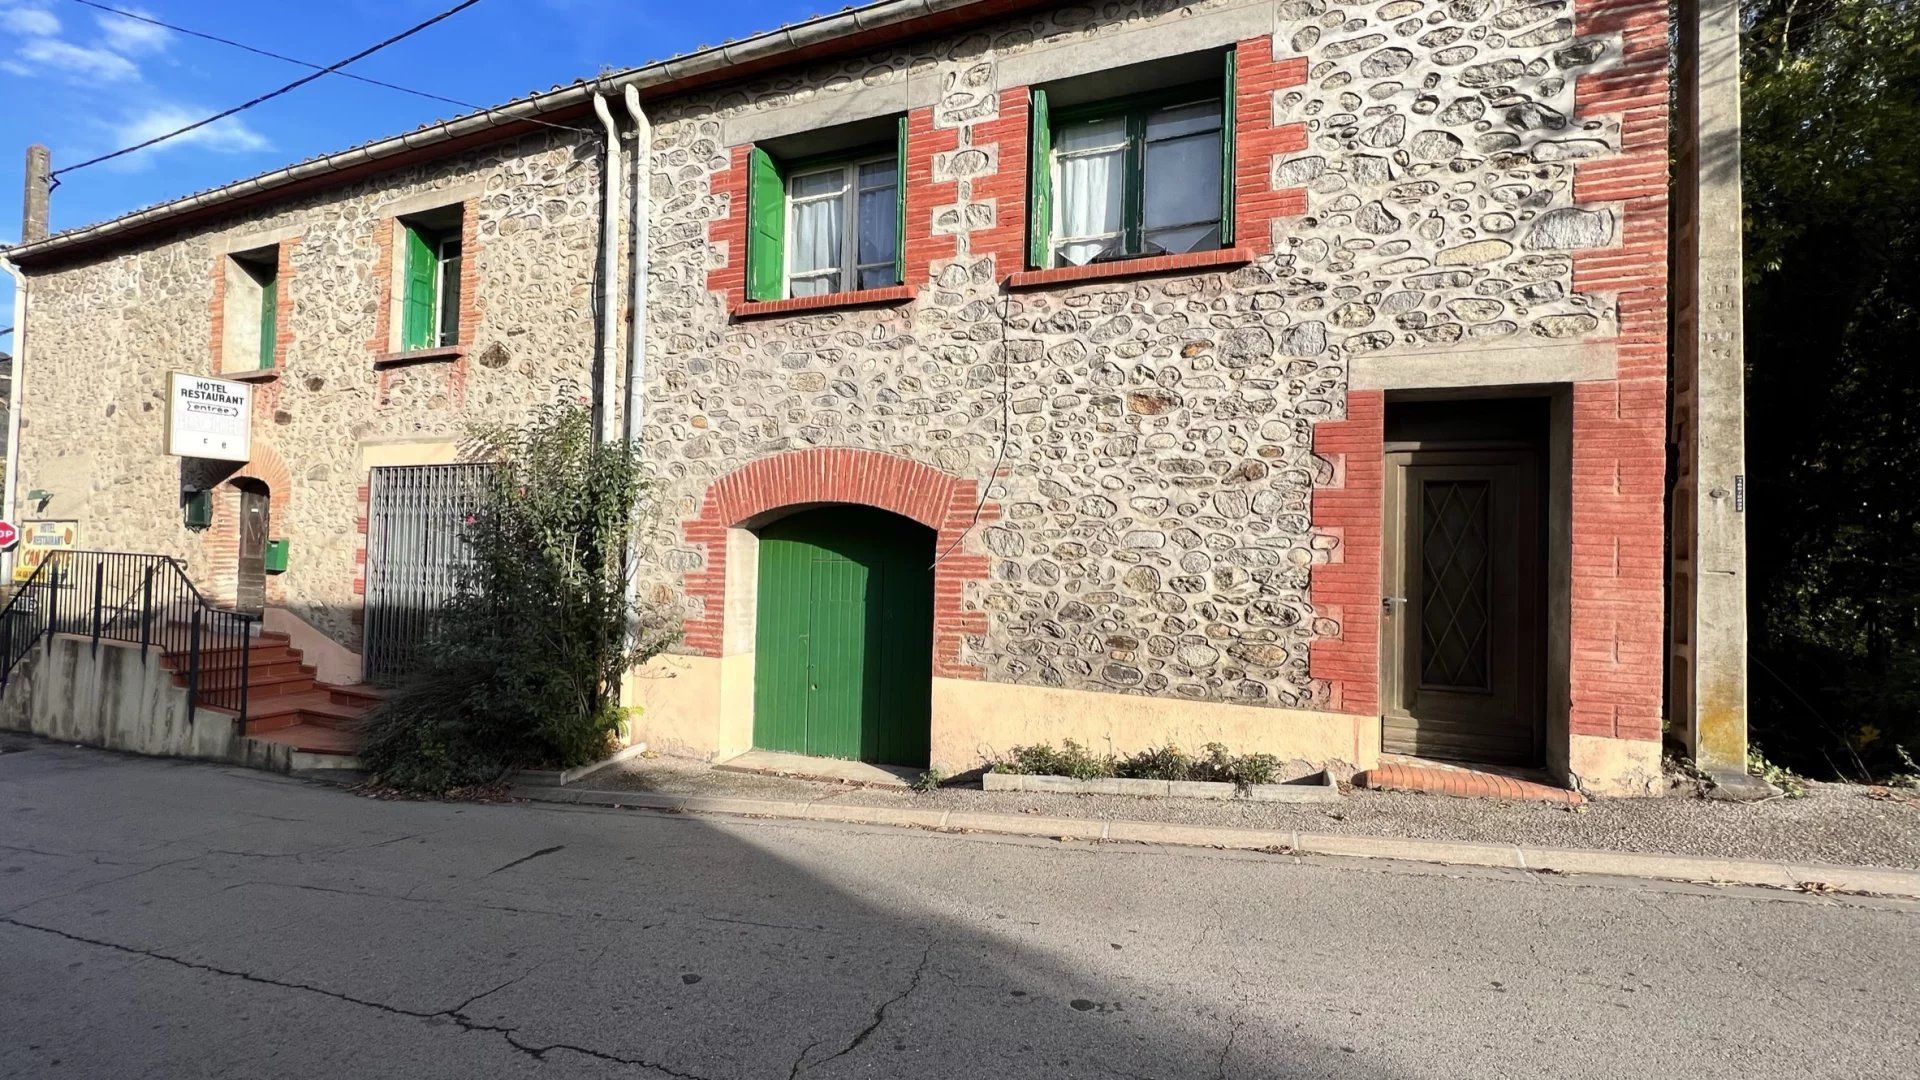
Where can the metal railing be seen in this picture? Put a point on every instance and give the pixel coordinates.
(144, 600)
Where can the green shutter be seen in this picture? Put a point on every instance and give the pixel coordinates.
(417, 325)
(1040, 184)
(900, 189)
(269, 320)
(1229, 134)
(766, 227)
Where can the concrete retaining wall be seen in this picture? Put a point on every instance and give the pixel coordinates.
(108, 695)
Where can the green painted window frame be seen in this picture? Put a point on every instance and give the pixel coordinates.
(1046, 122)
(269, 318)
(430, 304)
(769, 214)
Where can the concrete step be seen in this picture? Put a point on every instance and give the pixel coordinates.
(315, 707)
(312, 739)
(363, 695)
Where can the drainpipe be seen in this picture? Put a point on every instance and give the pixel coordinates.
(636, 415)
(13, 405)
(609, 273)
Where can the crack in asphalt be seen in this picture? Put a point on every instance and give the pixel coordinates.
(879, 1017)
(526, 859)
(465, 1023)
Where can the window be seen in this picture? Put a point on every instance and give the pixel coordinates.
(251, 311)
(430, 311)
(826, 223)
(844, 223)
(1148, 174)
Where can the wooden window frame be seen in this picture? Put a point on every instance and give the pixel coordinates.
(442, 243)
(769, 218)
(1134, 111)
(1045, 123)
(849, 266)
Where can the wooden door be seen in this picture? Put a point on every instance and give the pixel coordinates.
(843, 663)
(1463, 644)
(255, 525)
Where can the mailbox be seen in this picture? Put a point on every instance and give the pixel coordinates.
(276, 557)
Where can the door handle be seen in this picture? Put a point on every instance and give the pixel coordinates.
(1387, 603)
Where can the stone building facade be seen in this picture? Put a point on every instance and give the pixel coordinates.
(1159, 491)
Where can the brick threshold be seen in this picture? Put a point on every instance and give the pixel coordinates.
(1465, 782)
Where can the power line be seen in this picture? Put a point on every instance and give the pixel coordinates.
(244, 47)
(270, 95)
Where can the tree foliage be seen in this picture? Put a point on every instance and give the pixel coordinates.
(525, 664)
(1831, 148)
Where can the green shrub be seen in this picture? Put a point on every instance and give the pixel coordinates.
(524, 665)
(1167, 762)
(1071, 760)
(1790, 783)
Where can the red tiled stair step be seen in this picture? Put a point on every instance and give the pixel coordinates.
(1463, 783)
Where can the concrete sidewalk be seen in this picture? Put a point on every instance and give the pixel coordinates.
(1804, 877)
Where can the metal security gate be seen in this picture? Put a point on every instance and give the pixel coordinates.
(415, 553)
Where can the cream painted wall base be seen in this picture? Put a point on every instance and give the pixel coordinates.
(1615, 768)
(703, 707)
(332, 662)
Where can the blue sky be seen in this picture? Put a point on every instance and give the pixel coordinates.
(85, 82)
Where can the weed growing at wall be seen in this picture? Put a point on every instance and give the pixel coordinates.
(1168, 762)
(524, 666)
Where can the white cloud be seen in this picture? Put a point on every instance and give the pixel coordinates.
(229, 136)
(126, 35)
(77, 62)
(29, 21)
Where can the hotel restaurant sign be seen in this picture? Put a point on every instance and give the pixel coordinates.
(209, 418)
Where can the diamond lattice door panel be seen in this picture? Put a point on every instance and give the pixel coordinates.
(1455, 584)
(1460, 670)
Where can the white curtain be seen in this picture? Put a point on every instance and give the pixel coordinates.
(818, 231)
(1087, 205)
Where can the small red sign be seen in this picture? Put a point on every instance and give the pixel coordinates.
(9, 535)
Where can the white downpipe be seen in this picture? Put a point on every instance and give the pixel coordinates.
(636, 416)
(636, 412)
(609, 273)
(13, 407)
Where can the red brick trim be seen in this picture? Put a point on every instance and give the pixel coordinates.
(756, 309)
(926, 246)
(1225, 258)
(1259, 142)
(727, 233)
(1345, 588)
(1464, 784)
(221, 543)
(282, 311)
(1005, 242)
(385, 359)
(1620, 428)
(941, 501)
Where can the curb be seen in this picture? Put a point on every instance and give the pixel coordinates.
(1321, 790)
(1798, 877)
(563, 777)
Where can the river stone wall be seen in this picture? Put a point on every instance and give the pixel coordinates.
(105, 333)
(1153, 437)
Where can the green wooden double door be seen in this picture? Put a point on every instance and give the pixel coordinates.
(843, 663)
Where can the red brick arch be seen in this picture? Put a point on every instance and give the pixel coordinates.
(941, 501)
(221, 545)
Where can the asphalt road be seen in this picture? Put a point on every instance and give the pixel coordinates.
(169, 919)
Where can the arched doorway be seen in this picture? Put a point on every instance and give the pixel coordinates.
(256, 524)
(843, 663)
